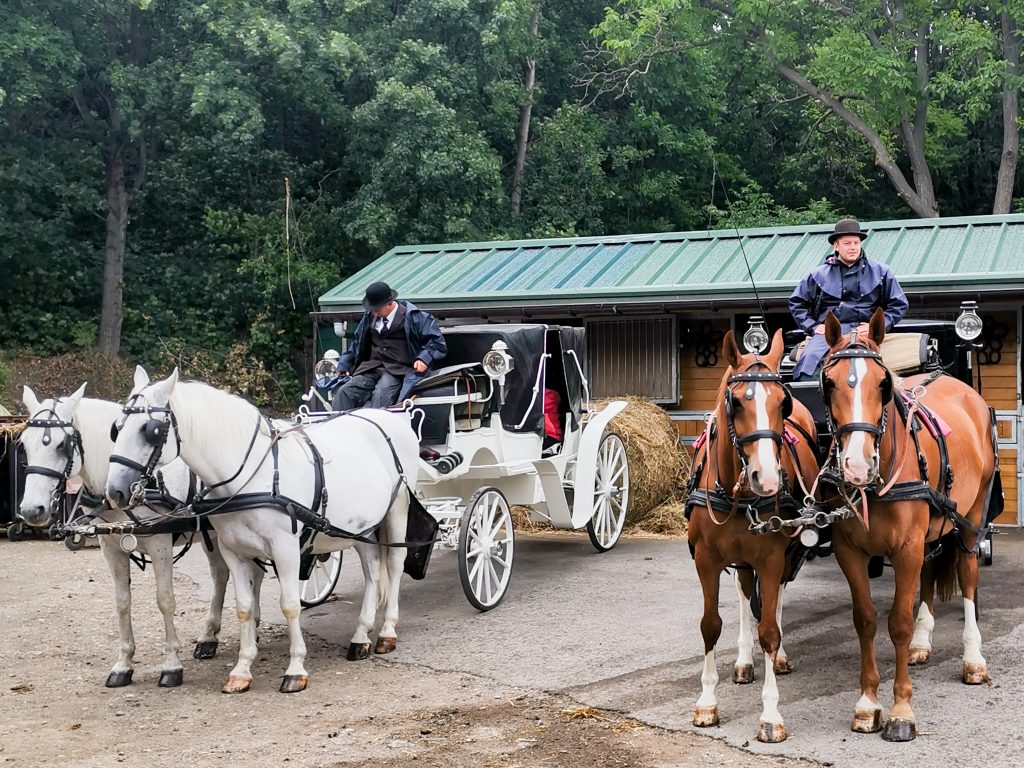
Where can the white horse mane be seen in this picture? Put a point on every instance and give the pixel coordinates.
(199, 407)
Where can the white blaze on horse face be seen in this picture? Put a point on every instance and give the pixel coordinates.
(768, 465)
(857, 467)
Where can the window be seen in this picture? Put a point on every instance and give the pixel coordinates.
(634, 356)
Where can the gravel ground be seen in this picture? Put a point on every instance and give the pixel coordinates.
(59, 638)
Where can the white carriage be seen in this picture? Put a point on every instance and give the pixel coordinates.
(481, 423)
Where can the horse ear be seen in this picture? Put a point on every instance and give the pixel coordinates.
(730, 351)
(876, 327)
(76, 397)
(833, 329)
(141, 378)
(776, 349)
(28, 397)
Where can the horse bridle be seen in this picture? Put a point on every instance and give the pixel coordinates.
(752, 377)
(855, 353)
(154, 432)
(47, 420)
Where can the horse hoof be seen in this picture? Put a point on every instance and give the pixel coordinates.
(898, 729)
(294, 683)
(705, 717)
(742, 674)
(975, 674)
(236, 684)
(170, 678)
(385, 645)
(919, 656)
(205, 649)
(867, 722)
(771, 733)
(119, 679)
(782, 666)
(358, 651)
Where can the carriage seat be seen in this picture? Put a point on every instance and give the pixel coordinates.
(441, 376)
(901, 352)
(453, 381)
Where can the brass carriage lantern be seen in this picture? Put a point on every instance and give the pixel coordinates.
(968, 325)
(756, 338)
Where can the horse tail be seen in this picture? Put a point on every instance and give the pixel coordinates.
(944, 567)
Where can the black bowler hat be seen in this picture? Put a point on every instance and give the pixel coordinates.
(377, 296)
(846, 227)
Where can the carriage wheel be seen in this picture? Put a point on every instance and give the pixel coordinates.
(611, 493)
(16, 531)
(323, 578)
(486, 548)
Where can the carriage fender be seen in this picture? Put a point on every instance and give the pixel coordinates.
(586, 462)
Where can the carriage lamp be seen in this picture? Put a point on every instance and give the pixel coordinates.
(756, 337)
(968, 325)
(328, 365)
(498, 362)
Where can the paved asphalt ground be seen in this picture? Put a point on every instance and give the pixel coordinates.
(621, 631)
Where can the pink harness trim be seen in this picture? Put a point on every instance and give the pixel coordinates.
(931, 420)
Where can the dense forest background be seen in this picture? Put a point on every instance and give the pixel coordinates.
(179, 180)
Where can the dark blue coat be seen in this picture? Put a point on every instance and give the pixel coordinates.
(852, 294)
(426, 343)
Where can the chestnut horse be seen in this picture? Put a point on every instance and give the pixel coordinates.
(899, 482)
(738, 484)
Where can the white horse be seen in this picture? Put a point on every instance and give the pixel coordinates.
(231, 446)
(71, 435)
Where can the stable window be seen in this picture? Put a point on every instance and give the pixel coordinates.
(634, 356)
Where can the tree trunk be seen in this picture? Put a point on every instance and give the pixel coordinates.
(118, 201)
(922, 205)
(1011, 109)
(523, 132)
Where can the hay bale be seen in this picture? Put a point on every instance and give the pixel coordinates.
(658, 465)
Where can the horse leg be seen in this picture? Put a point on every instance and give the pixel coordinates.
(706, 712)
(867, 714)
(782, 665)
(120, 571)
(743, 673)
(285, 553)
(975, 670)
(369, 560)
(159, 549)
(771, 729)
(243, 574)
(258, 575)
(206, 645)
(921, 642)
(392, 564)
(907, 565)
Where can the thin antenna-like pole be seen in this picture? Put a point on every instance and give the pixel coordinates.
(288, 237)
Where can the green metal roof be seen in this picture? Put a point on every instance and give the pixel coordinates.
(976, 254)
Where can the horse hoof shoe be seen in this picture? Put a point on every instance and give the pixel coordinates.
(205, 649)
(236, 684)
(771, 733)
(705, 717)
(919, 656)
(385, 645)
(742, 674)
(119, 679)
(899, 730)
(294, 683)
(867, 722)
(975, 674)
(782, 666)
(358, 651)
(171, 678)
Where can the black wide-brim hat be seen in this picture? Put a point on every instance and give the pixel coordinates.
(846, 227)
(377, 296)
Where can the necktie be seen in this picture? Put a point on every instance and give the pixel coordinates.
(384, 325)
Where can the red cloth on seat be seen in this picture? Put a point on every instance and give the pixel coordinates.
(552, 425)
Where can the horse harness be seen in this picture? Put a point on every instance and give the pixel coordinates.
(913, 415)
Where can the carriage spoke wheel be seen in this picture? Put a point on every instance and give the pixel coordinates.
(323, 578)
(486, 547)
(611, 493)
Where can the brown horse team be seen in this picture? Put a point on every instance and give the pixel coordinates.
(890, 475)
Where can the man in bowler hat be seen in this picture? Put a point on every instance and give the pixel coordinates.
(395, 345)
(851, 286)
